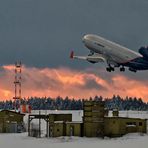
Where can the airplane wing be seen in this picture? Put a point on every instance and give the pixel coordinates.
(95, 58)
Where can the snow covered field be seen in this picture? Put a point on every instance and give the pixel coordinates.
(22, 141)
(127, 141)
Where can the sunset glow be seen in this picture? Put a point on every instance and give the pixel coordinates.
(67, 82)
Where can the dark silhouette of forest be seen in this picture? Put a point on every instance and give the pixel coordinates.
(59, 103)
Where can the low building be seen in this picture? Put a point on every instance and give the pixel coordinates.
(55, 124)
(118, 126)
(60, 128)
(96, 123)
(11, 122)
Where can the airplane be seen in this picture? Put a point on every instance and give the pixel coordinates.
(115, 55)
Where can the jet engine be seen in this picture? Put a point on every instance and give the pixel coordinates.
(144, 52)
(92, 60)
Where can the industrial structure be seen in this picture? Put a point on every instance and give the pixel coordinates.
(11, 122)
(18, 106)
(119, 126)
(17, 85)
(54, 122)
(95, 123)
(93, 118)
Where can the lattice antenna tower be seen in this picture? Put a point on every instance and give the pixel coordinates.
(17, 84)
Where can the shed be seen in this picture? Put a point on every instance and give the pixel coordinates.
(11, 122)
(118, 126)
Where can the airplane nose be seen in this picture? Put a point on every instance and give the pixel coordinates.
(83, 40)
(86, 37)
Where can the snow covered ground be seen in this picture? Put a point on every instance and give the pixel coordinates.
(22, 141)
(127, 141)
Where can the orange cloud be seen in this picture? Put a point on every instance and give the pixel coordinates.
(67, 82)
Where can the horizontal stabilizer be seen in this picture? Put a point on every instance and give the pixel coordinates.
(91, 58)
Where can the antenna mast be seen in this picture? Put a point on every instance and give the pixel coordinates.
(17, 85)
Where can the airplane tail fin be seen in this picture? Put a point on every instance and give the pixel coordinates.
(72, 54)
(144, 51)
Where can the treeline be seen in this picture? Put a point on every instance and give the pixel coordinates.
(59, 103)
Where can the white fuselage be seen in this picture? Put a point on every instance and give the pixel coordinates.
(111, 51)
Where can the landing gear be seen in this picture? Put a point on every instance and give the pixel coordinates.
(122, 69)
(133, 70)
(109, 69)
(91, 53)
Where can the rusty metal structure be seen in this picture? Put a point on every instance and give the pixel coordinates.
(17, 84)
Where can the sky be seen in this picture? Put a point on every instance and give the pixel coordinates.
(41, 33)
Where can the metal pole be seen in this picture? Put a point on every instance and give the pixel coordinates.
(29, 125)
(47, 130)
(39, 125)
